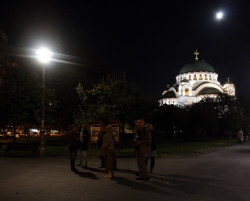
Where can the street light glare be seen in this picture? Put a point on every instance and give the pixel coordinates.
(219, 15)
(44, 55)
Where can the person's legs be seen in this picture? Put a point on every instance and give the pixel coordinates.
(80, 154)
(102, 161)
(146, 161)
(109, 164)
(72, 160)
(144, 174)
(152, 164)
(85, 158)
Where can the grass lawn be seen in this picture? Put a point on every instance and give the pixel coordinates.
(57, 146)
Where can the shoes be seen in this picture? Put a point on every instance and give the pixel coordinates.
(139, 178)
(144, 179)
(79, 164)
(73, 169)
(108, 176)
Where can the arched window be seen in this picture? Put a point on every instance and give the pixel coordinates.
(195, 78)
(200, 77)
(205, 76)
(189, 77)
(231, 92)
(186, 91)
(210, 77)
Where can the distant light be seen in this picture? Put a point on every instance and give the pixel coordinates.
(34, 130)
(219, 15)
(44, 55)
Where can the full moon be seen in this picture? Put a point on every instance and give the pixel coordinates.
(219, 15)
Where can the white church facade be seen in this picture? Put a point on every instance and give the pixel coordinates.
(195, 81)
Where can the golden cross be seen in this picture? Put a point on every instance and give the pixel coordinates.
(196, 54)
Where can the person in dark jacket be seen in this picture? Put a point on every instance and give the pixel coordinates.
(84, 139)
(100, 143)
(74, 145)
(152, 153)
(143, 144)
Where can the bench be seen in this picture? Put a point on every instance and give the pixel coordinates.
(33, 147)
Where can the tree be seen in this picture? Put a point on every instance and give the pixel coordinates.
(204, 118)
(112, 98)
(210, 116)
(230, 113)
(20, 100)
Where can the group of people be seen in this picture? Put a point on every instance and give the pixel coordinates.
(78, 145)
(145, 147)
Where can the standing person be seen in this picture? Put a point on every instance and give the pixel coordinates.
(152, 153)
(84, 138)
(74, 144)
(143, 142)
(108, 151)
(136, 138)
(100, 143)
(240, 136)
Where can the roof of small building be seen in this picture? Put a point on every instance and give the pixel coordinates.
(197, 66)
(184, 80)
(176, 85)
(169, 94)
(228, 82)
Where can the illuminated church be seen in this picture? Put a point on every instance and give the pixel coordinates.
(195, 81)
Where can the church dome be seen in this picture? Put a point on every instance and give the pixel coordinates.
(197, 66)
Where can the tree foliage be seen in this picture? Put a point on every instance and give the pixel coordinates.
(112, 98)
(20, 99)
(219, 116)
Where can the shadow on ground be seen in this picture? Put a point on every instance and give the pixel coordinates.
(89, 175)
(140, 185)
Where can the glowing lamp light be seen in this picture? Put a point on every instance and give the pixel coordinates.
(44, 55)
(219, 15)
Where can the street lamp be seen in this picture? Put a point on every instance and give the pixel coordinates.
(43, 56)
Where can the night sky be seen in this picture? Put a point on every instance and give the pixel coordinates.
(149, 40)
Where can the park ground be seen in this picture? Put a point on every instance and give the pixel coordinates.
(215, 174)
(57, 146)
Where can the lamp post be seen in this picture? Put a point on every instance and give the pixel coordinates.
(43, 56)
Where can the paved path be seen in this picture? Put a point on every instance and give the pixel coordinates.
(222, 176)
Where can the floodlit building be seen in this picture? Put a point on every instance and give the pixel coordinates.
(194, 82)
